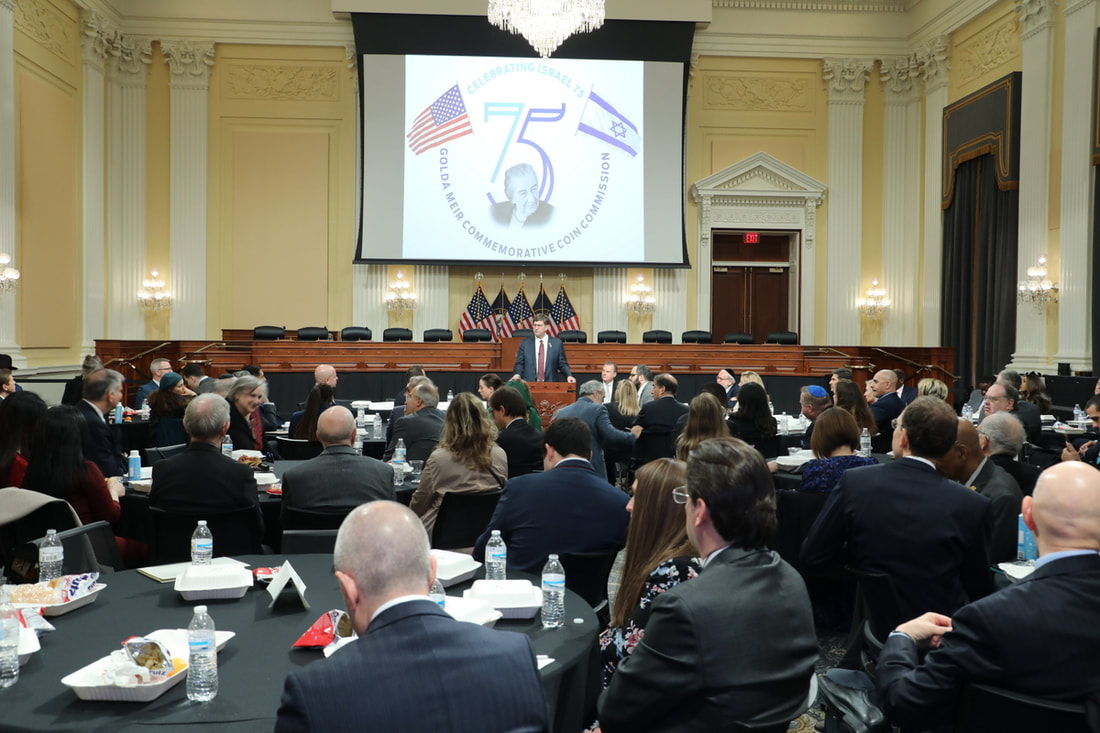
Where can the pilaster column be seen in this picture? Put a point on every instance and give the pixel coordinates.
(97, 39)
(126, 185)
(609, 286)
(369, 298)
(900, 189)
(432, 287)
(806, 274)
(1075, 254)
(934, 57)
(670, 290)
(1037, 32)
(9, 302)
(845, 79)
(189, 65)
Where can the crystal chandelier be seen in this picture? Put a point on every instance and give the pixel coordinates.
(546, 23)
(401, 297)
(153, 297)
(9, 276)
(1037, 290)
(875, 305)
(640, 302)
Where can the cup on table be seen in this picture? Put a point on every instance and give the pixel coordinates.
(417, 467)
(792, 451)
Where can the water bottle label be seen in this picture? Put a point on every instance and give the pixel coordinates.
(497, 556)
(200, 646)
(51, 554)
(204, 545)
(551, 583)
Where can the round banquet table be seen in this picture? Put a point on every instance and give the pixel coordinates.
(253, 665)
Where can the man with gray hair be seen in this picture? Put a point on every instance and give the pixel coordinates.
(339, 479)
(421, 425)
(160, 367)
(605, 436)
(399, 407)
(413, 667)
(1002, 436)
(102, 392)
(523, 207)
(201, 479)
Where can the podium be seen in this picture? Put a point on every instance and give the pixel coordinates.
(549, 396)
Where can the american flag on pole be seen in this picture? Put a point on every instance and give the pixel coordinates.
(478, 314)
(543, 304)
(519, 314)
(565, 318)
(444, 119)
(500, 312)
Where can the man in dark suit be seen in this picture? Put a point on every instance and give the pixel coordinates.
(926, 532)
(728, 379)
(160, 367)
(1001, 437)
(641, 377)
(1037, 637)
(904, 392)
(1003, 397)
(813, 400)
(341, 477)
(664, 411)
(201, 478)
(605, 436)
(967, 464)
(679, 677)
(609, 379)
(886, 407)
(413, 666)
(529, 368)
(521, 442)
(398, 411)
(420, 426)
(102, 392)
(196, 380)
(569, 507)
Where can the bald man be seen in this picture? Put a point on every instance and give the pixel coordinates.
(413, 667)
(885, 408)
(339, 479)
(1038, 636)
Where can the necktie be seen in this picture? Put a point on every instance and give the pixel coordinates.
(542, 362)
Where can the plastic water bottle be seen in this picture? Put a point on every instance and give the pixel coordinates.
(865, 443)
(360, 418)
(135, 465)
(496, 557)
(1078, 413)
(553, 594)
(118, 413)
(51, 556)
(437, 593)
(967, 414)
(399, 462)
(450, 395)
(9, 641)
(145, 409)
(202, 663)
(227, 446)
(376, 426)
(202, 545)
(782, 420)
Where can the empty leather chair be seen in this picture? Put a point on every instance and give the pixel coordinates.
(657, 336)
(477, 334)
(438, 334)
(522, 333)
(268, 333)
(782, 337)
(696, 337)
(313, 333)
(573, 337)
(355, 333)
(738, 338)
(397, 334)
(611, 337)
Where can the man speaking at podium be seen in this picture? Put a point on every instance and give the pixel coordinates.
(541, 358)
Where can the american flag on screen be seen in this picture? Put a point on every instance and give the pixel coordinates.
(543, 304)
(565, 318)
(500, 312)
(444, 119)
(519, 314)
(478, 314)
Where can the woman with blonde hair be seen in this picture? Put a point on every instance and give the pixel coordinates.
(623, 408)
(706, 419)
(931, 386)
(467, 459)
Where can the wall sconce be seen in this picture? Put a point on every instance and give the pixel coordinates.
(400, 298)
(875, 305)
(153, 297)
(640, 302)
(1037, 290)
(9, 276)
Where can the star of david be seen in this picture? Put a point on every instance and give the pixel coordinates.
(618, 129)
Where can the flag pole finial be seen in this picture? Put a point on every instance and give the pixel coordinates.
(478, 276)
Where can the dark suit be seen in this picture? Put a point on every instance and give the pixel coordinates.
(1025, 474)
(339, 478)
(201, 479)
(524, 447)
(1031, 417)
(995, 484)
(570, 508)
(604, 434)
(527, 363)
(928, 533)
(418, 669)
(102, 447)
(731, 395)
(885, 409)
(74, 391)
(1037, 636)
(908, 394)
(240, 431)
(681, 676)
(144, 391)
(660, 415)
(420, 431)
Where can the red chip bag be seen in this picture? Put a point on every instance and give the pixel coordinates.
(329, 628)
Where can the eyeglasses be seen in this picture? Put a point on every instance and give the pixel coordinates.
(895, 424)
(680, 495)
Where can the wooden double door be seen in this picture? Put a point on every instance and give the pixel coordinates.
(751, 284)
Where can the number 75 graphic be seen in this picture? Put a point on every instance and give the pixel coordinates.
(514, 110)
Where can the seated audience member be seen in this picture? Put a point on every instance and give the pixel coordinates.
(413, 371)
(303, 424)
(727, 380)
(751, 377)
(398, 411)
(569, 507)
(246, 428)
(679, 676)
(1002, 436)
(159, 367)
(1036, 637)
(533, 416)
(1035, 392)
(487, 384)
(905, 520)
(19, 418)
(166, 407)
(712, 388)
(1028, 412)
(196, 379)
(1089, 451)
(967, 463)
(838, 374)
(420, 426)
(201, 479)
(102, 392)
(886, 407)
(522, 444)
(1003, 397)
(74, 388)
(7, 384)
(659, 556)
(834, 444)
(933, 387)
(605, 436)
(976, 400)
(850, 399)
(905, 393)
(467, 460)
(661, 414)
(753, 421)
(340, 478)
(413, 667)
(269, 415)
(641, 376)
(813, 400)
(706, 419)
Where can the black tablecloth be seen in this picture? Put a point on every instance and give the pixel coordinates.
(253, 665)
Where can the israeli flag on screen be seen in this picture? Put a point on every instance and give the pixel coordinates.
(605, 123)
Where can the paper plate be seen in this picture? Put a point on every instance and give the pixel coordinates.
(60, 609)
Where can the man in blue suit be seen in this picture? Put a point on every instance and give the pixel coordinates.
(528, 366)
(569, 507)
(413, 666)
(590, 408)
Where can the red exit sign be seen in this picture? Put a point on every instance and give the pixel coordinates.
(752, 237)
